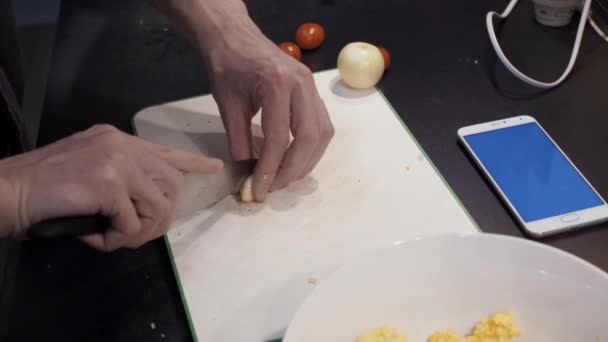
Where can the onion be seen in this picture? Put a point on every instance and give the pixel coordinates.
(360, 65)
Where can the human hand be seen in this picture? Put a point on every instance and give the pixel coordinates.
(101, 170)
(249, 72)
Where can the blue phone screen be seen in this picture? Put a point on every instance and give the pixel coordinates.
(532, 172)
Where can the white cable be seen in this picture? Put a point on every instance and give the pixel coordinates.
(597, 29)
(514, 70)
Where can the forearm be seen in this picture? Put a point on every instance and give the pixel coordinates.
(9, 208)
(249, 72)
(209, 22)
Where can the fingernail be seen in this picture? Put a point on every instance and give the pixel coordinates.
(219, 164)
(260, 196)
(275, 187)
(261, 200)
(113, 240)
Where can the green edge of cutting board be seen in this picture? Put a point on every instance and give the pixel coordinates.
(179, 285)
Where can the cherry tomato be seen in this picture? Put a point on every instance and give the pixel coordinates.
(386, 56)
(310, 36)
(291, 49)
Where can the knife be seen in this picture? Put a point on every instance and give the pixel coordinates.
(199, 192)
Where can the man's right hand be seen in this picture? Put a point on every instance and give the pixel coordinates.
(99, 171)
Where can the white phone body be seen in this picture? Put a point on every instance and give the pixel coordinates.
(499, 145)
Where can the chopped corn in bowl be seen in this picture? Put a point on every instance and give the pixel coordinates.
(426, 287)
(496, 328)
(384, 333)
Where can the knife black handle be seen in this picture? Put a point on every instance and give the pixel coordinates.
(66, 227)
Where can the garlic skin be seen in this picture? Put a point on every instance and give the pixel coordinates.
(246, 191)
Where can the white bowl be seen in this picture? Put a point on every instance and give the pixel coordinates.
(452, 281)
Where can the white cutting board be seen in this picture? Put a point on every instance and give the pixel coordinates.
(245, 268)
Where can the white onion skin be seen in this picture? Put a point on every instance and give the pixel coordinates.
(360, 65)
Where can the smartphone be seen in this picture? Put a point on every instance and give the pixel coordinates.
(538, 182)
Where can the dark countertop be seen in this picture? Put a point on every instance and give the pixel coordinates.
(113, 58)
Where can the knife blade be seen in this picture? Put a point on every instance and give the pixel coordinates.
(199, 192)
(202, 191)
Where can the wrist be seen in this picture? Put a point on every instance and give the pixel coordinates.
(213, 25)
(9, 207)
(211, 19)
(223, 28)
(204, 20)
(217, 27)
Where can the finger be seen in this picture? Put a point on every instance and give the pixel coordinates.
(169, 181)
(152, 207)
(124, 222)
(183, 160)
(325, 136)
(236, 117)
(305, 128)
(162, 172)
(275, 126)
(149, 205)
(172, 197)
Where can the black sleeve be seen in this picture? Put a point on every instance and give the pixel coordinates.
(13, 137)
(11, 142)
(9, 48)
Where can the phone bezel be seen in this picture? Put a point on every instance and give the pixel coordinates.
(547, 226)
